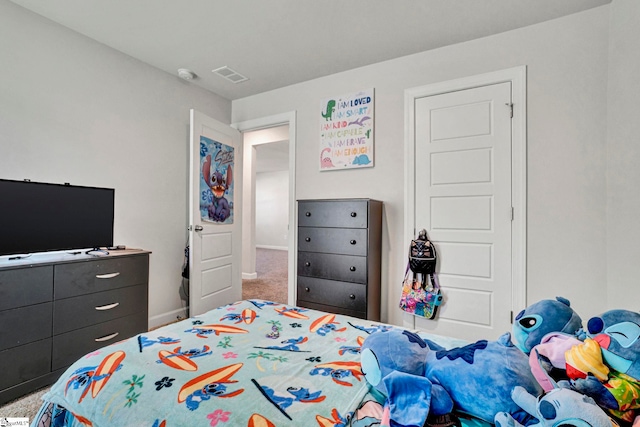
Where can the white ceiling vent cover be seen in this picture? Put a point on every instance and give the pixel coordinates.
(229, 74)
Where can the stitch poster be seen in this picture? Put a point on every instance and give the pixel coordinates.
(346, 131)
(216, 181)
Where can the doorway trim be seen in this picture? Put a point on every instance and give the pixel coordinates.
(269, 122)
(517, 76)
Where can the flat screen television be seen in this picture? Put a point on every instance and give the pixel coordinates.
(41, 217)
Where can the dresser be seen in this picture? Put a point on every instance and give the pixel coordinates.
(57, 308)
(339, 256)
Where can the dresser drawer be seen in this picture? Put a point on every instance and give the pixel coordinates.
(97, 308)
(346, 268)
(100, 275)
(335, 213)
(25, 324)
(25, 286)
(68, 347)
(24, 363)
(332, 309)
(348, 241)
(351, 296)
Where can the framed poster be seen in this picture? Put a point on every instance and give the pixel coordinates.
(346, 131)
(216, 181)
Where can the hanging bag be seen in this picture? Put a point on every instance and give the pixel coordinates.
(421, 299)
(421, 293)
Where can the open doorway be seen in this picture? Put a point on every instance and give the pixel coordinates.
(266, 214)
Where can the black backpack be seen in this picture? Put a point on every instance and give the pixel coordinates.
(422, 254)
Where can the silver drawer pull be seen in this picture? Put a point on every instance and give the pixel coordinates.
(107, 276)
(107, 338)
(108, 306)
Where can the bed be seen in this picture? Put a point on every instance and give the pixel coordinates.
(251, 363)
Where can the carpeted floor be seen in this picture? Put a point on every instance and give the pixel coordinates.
(271, 284)
(26, 407)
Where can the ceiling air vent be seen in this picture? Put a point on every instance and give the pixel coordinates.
(229, 74)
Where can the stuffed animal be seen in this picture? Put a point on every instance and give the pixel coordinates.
(542, 318)
(607, 366)
(559, 407)
(417, 381)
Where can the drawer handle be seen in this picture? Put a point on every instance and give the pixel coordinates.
(307, 290)
(107, 337)
(107, 276)
(352, 296)
(352, 268)
(307, 239)
(108, 306)
(307, 264)
(307, 214)
(353, 214)
(353, 242)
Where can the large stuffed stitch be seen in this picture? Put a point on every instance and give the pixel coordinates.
(606, 366)
(417, 381)
(559, 407)
(542, 318)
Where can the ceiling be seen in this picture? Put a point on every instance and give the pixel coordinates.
(277, 43)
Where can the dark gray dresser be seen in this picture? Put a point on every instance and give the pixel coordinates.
(53, 311)
(339, 255)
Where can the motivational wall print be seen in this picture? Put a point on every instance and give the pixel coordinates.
(216, 181)
(346, 131)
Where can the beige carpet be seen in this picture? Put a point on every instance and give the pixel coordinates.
(271, 284)
(26, 407)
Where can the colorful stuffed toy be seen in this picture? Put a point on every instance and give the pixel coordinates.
(607, 366)
(542, 318)
(559, 407)
(417, 381)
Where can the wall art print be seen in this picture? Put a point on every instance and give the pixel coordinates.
(346, 131)
(216, 181)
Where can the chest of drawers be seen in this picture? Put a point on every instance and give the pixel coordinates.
(339, 256)
(52, 312)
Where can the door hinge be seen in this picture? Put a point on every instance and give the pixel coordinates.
(511, 315)
(510, 105)
(513, 213)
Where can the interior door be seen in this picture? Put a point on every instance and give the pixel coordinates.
(463, 199)
(215, 212)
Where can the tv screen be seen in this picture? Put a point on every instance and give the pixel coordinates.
(40, 217)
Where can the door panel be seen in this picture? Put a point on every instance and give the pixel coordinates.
(215, 212)
(463, 199)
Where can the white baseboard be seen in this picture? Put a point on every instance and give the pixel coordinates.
(249, 276)
(165, 318)
(277, 248)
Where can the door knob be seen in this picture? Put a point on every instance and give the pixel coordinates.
(198, 228)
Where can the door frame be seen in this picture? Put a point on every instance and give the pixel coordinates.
(518, 78)
(268, 122)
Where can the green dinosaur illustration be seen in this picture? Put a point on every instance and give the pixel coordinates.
(330, 109)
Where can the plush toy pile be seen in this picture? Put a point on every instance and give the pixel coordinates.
(548, 371)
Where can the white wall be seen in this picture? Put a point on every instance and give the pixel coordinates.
(272, 209)
(623, 157)
(73, 110)
(566, 61)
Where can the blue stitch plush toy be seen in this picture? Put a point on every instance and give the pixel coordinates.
(417, 381)
(542, 318)
(606, 366)
(559, 407)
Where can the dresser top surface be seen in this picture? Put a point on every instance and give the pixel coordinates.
(45, 258)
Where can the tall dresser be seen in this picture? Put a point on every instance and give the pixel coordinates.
(339, 256)
(56, 308)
